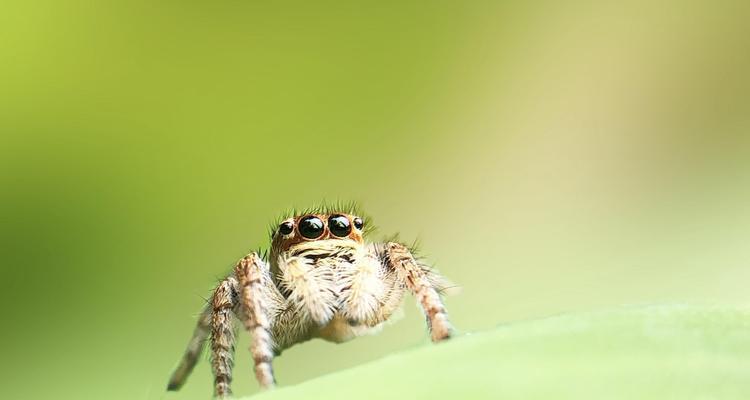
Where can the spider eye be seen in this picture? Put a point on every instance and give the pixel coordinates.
(339, 225)
(286, 227)
(311, 227)
(358, 223)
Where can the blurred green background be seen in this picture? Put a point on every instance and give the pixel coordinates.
(551, 157)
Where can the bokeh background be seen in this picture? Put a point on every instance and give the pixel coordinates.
(551, 157)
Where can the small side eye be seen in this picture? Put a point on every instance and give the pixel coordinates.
(311, 227)
(358, 223)
(339, 225)
(286, 227)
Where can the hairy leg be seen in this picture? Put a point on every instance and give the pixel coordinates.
(193, 351)
(222, 336)
(310, 287)
(361, 288)
(253, 277)
(415, 277)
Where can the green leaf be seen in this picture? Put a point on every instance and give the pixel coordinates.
(653, 352)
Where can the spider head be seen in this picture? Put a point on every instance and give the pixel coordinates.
(313, 227)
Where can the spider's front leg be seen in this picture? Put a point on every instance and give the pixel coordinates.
(254, 278)
(223, 302)
(415, 277)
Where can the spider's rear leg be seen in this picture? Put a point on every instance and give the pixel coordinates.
(193, 351)
(415, 277)
(254, 278)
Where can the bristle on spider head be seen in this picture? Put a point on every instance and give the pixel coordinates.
(326, 208)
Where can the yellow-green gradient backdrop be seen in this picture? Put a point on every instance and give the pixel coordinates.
(551, 157)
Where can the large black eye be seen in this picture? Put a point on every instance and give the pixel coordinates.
(286, 227)
(358, 223)
(311, 227)
(339, 225)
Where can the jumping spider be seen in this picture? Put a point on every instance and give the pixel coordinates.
(322, 279)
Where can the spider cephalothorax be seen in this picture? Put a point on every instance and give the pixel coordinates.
(322, 279)
(313, 227)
